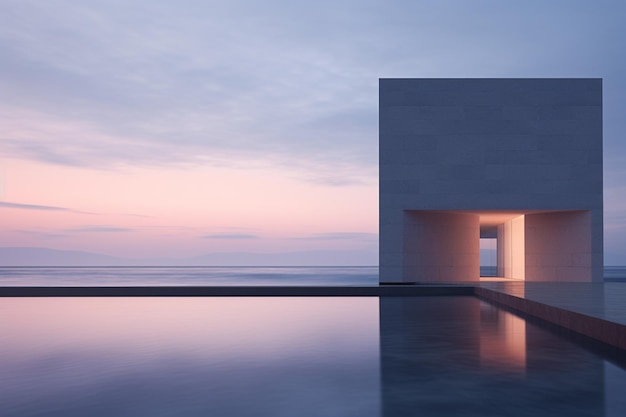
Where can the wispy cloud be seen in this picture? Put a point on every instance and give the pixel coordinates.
(32, 206)
(341, 236)
(345, 181)
(230, 236)
(98, 229)
(98, 90)
(41, 234)
(23, 206)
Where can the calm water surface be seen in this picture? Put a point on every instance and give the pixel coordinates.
(189, 357)
(128, 276)
(230, 356)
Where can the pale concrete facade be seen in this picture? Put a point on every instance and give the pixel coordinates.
(520, 159)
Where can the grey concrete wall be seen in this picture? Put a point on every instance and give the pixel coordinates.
(487, 144)
(511, 249)
(441, 247)
(558, 246)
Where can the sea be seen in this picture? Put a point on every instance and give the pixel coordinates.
(213, 276)
(189, 276)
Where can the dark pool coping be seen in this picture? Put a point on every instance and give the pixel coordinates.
(608, 332)
(239, 291)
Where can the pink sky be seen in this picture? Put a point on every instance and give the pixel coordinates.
(179, 212)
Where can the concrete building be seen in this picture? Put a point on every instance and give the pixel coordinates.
(518, 160)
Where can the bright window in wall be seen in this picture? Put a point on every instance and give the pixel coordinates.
(488, 257)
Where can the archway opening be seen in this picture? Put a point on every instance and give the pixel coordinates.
(502, 245)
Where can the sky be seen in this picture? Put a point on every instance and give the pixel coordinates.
(153, 128)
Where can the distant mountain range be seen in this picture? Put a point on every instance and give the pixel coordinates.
(29, 256)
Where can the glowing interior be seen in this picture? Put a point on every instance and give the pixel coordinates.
(539, 245)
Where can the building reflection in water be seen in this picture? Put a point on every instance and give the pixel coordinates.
(459, 356)
(502, 339)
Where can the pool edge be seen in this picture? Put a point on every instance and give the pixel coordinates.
(607, 332)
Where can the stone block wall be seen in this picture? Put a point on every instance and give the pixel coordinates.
(487, 144)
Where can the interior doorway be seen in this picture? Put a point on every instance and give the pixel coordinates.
(502, 244)
(488, 257)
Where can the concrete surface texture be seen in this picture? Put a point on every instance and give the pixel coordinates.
(456, 155)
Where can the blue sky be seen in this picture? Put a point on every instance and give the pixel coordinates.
(276, 100)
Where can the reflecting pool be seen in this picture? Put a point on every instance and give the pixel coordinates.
(463, 357)
(189, 357)
(283, 356)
